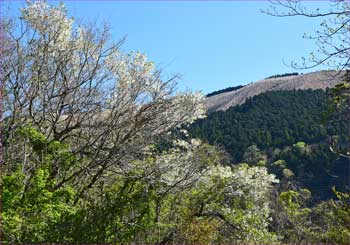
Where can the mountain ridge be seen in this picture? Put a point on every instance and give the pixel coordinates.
(312, 80)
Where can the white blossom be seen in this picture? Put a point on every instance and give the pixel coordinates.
(50, 22)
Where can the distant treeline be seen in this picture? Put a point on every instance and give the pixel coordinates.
(225, 90)
(283, 75)
(229, 89)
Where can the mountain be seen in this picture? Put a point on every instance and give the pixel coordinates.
(313, 80)
(268, 120)
(285, 131)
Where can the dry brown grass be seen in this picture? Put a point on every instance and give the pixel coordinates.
(313, 80)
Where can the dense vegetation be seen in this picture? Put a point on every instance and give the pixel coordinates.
(274, 122)
(272, 119)
(229, 89)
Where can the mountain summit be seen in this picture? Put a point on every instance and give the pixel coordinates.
(313, 80)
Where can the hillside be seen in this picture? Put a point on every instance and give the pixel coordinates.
(314, 80)
(271, 119)
(274, 121)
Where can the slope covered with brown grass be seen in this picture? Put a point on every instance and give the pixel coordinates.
(313, 80)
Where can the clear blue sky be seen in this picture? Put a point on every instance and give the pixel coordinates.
(213, 45)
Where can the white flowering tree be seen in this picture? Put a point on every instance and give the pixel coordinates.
(82, 123)
(75, 86)
(193, 198)
(239, 198)
(197, 199)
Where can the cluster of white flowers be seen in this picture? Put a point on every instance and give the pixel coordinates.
(50, 22)
(194, 102)
(127, 85)
(179, 166)
(256, 180)
(134, 75)
(220, 171)
(242, 184)
(250, 185)
(139, 85)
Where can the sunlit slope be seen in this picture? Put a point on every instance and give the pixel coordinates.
(314, 80)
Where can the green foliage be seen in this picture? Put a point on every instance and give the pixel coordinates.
(212, 204)
(314, 167)
(125, 212)
(287, 173)
(272, 119)
(32, 208)
(294, 215)
(339, 112)
(283, 125)
(298, 222)
(227, 205)
(254, 156)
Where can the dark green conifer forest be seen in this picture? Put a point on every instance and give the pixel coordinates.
(279, 124)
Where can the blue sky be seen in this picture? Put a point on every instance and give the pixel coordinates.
(213, 45)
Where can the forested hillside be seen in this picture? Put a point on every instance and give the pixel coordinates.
(274, 121)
